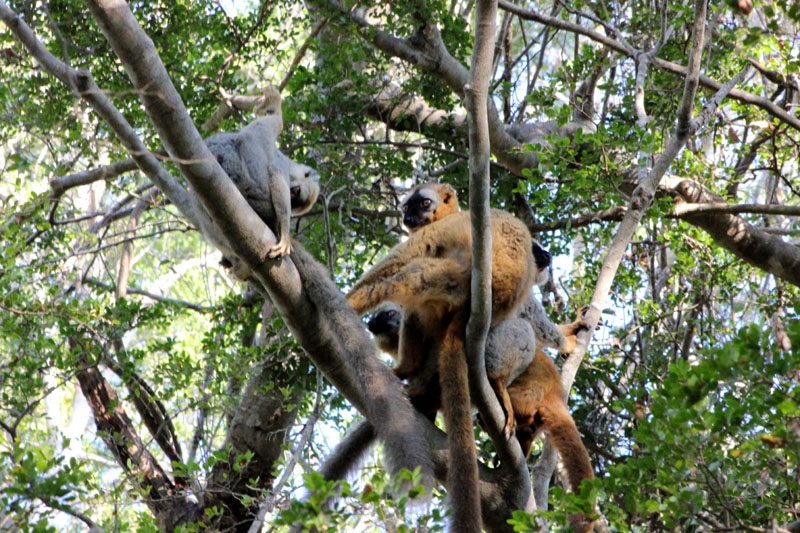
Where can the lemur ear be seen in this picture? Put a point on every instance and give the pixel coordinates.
(446, 192)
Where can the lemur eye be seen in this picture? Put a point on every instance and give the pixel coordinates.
(308, 173)
(426, 203)
(405, 208)
(391, 313)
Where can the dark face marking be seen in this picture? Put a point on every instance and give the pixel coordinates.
(541, 256)
(296, 197)
(418, 209)
(387, 321)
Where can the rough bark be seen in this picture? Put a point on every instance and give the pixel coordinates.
(259, 426)
(756, 247)
(730, 231)
(116, 429)
(312, 306)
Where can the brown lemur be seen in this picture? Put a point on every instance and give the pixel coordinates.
(428, 276)
(513, 357)
(424, 385)
(425, 204)
(540, 404)
(275, 186)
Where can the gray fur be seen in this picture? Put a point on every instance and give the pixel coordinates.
(509, 349)
(387, 407)
(546, 332)
(263, 174)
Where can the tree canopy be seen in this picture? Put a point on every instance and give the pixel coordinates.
(651, 147)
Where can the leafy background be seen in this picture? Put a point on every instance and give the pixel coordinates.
(687, 400)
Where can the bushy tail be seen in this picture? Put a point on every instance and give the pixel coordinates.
(558, 422)
(349, 453)
(462, 472)
(567, 440)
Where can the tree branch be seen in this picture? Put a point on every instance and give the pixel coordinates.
(61, 184)
(116, 429)
(312, 306)
(83, 85)
(746, 242)
(683, 209)
(643, 194)
(426, 51)
(743, 96)
(475, 96)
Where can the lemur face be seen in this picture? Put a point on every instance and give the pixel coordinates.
(543, 259)
(303, 188)
(428, 203)
(387, 322)
(540, 256)
(419, 209)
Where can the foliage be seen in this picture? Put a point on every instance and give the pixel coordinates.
(687, 401)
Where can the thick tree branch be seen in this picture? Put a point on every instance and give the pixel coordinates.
(312, 306)
(405, 113)
(427, 52)
(756, 247)
(116, 429)
(716, 205)
(84, 86)
(701, 207)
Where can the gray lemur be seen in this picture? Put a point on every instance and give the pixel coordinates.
(275, 186)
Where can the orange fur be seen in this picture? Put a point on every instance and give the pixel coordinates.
(428, 203)
(429, 276)
(462, 474)
(539, 404)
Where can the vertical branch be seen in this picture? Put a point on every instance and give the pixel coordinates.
(693, 73)
(478, 106)
(475, 100)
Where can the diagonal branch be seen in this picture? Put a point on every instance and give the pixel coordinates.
(644, 193)
(116, 429)
(312, 306)
(81, 82)
(743, 96)
(756, 247)
(427, 52)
